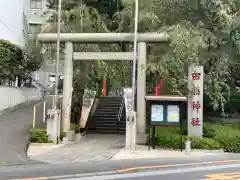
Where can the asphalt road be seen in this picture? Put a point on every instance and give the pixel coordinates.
(14, 129)
(216, 172)
(169, 168)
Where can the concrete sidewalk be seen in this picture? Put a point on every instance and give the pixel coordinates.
(102, 147)
(95, 147)
(143, 153)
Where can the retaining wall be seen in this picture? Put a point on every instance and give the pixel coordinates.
(12, 96)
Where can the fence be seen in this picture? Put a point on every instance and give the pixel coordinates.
(12, 96)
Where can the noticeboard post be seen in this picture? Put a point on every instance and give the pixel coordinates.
(165, 111)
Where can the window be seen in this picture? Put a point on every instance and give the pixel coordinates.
(35, 4)
(34, 28)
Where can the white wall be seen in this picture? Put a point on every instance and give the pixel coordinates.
(11, 21)
(11, 96)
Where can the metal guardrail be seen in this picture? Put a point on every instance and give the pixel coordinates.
(120, 110)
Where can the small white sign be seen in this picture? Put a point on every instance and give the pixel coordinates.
(128, 99)
(157, 113)
(173, 113)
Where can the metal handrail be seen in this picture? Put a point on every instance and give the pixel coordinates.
(120, 110)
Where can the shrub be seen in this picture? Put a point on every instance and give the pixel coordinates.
(204, 143)
(170, 137)
(228, 136)
(39, 135)
(74, 127)
(208, 130)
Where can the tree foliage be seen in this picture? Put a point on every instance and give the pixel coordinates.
(11, 59)
(15, 61)
(82, 18)
(107, 7)
(33, 55)
(203, 32)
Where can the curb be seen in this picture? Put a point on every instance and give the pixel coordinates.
(72, 176)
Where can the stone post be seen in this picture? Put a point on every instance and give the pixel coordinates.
(67, 86)
(141, 93)
(195, 101)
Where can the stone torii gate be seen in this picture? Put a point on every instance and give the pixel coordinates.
(142, 39)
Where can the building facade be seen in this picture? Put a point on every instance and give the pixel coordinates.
(34, 10)
(13, 22)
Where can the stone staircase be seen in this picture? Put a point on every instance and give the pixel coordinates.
(109, 117)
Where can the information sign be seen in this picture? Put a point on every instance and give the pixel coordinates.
(173, 114)
(157, 113)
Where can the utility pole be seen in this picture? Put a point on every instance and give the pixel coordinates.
(136, 9)
(58, 54)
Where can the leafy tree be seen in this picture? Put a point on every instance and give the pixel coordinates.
(82, 18)
(108, 7)
(202, 32)
(11, 60)
(17, 62)
(33, 55)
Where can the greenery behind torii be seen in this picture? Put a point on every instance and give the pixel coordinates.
(204, 32)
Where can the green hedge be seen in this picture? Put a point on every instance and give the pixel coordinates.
(226, 137)
(39, 135)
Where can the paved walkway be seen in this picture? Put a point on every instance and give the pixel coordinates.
(143, 153)
(14, 128)
(103, 147)
(95, 147)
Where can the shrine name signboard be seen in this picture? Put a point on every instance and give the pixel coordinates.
(195, 101)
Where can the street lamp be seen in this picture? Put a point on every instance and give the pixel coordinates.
(58, 55)
(135, 53)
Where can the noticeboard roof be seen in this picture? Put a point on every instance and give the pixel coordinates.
(166, 98)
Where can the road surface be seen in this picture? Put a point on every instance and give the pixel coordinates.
(138, 169)
(14, 129)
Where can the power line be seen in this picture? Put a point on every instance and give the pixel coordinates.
(8, 28)
(1, 21)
